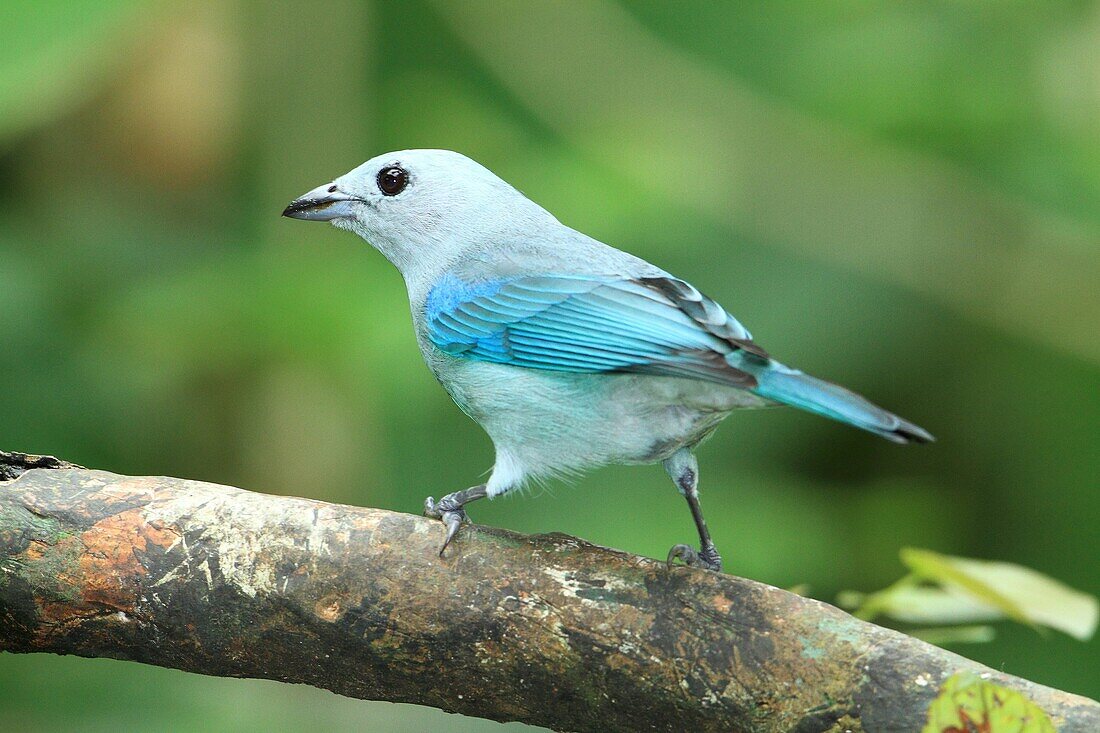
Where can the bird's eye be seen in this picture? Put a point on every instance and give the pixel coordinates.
(392, 180)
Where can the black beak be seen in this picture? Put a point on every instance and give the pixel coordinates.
(299, 206)
(323, 203)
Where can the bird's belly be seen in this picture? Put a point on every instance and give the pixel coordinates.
(559, 422)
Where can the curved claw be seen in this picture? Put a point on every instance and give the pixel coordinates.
(686, 553)
(453, 520)
(450, 512)
(708, 559)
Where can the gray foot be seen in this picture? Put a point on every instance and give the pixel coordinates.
(450, 510)
(708, 558)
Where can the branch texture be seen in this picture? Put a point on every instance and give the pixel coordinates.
(547, 629)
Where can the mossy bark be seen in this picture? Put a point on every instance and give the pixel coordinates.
(548, 629)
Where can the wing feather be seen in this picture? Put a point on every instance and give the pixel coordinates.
(649, 325)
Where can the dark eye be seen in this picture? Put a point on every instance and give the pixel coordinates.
(392, 180)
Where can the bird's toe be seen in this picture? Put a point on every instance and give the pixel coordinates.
(450, 512)
(708, 558)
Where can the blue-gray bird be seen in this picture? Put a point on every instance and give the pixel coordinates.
(569, 353)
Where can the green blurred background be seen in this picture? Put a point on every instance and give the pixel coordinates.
(904, 197)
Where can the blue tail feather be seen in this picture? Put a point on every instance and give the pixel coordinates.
(791, 387)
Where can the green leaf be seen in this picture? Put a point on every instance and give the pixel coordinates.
(931, 605)
(948, 635)
(968, 703)
(945, 570)
(974, 590)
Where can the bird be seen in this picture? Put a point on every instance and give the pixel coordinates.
(571, 354)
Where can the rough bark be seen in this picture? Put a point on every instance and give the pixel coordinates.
(546, 629)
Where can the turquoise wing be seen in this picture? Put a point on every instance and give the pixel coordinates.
(652, 325)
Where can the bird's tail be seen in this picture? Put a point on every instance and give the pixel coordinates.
(792, 387)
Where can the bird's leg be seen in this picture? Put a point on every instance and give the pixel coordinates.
(707, 556)
(684, 470)
(451, 510)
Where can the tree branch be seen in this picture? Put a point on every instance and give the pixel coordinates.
(547, 629)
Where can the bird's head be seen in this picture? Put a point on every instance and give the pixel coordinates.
(419, 207)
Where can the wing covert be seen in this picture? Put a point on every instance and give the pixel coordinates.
(653, 325)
